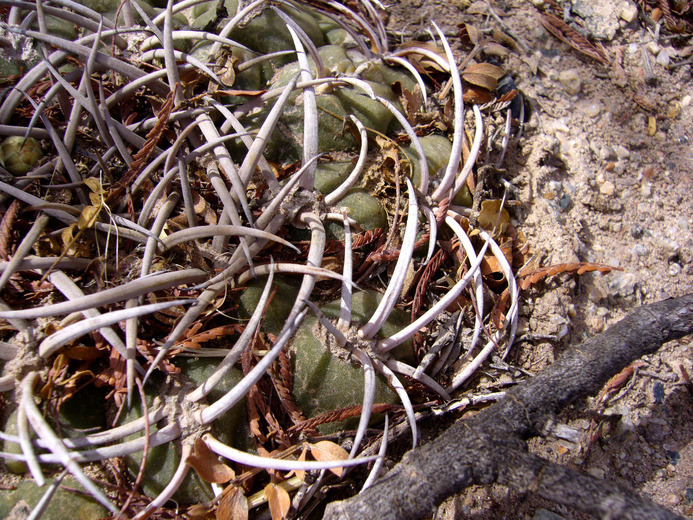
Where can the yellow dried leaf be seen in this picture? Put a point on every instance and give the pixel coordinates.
(300, 473)
(88, 217)
(95, 199)
(205, 462)
(493, 218)
(94, 185)
(279, 501)
(327, 451)
(233, 505)
(66, 234)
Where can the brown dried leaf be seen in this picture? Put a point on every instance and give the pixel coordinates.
(233, 505)
(483, 75)
(487, 69)
(205, 462)
(140, 158)
(279, 501)
(577, 267)
(420, 61)
(477, 95)
(326, 451)
(6, 228)
(567, 34)
(469, 34)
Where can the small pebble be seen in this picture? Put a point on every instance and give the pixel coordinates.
(633, 48)
(570, 79)
(658, 392)
(629, 13)
(607, 153)
(685, 101)
(564, 202)
(689, 495)
(607, 188)
(653, 48)
(545, 514)
(593, 109)
(641, 250)
(673, 456)
(596, 472)
(646, 190)
(622, 152)
(663, 58)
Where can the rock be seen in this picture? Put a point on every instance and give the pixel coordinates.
(658, 392)
(622, 284)
(629, 12)
(601, 18)
(622, 152)
(607, 153)
(596, 472)
(545, 514)
(653, 48)
(663, 58)
(64, 504)
(570, 79)
(593, 109)
(607, 188)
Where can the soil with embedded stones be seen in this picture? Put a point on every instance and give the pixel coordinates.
(603, 173)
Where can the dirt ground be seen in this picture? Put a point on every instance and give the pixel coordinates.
(602, 175)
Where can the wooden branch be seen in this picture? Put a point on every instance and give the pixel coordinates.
(490, 446)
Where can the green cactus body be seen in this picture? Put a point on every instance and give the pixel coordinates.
(325, 379)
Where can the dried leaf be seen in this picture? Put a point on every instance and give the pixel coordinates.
(493, 218)
(487, 69)
(477, 95)
(94, 185)
(301, 473)
(420, 61)
(577, 267)
(199, 512)
(233, 505)
(325, 451)
(496, 49)
(6, 228)
(140, 158)
(279, 501)
(469, 34)
(207, 465)
(483, 75)
(87, 218)
(567, 34)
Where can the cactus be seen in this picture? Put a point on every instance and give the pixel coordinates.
(209, 190)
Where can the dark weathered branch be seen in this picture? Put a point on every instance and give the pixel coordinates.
(484, 448)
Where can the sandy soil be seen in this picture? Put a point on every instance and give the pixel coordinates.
(596, 184)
